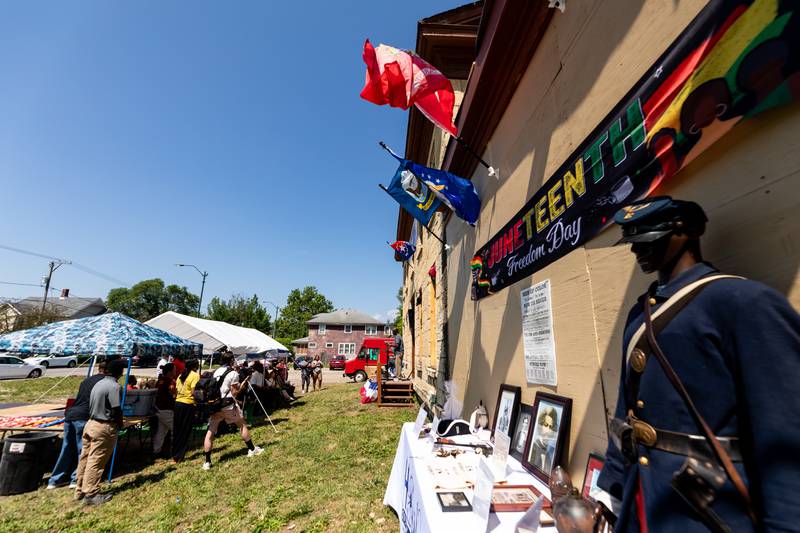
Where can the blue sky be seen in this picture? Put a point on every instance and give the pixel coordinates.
(135, 135)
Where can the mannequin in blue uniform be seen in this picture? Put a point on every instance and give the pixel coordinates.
(736, 348)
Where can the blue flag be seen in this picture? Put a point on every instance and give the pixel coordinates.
(420, 190)
(456, 192)
(413, 195)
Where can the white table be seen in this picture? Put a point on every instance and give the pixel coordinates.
(410, 492)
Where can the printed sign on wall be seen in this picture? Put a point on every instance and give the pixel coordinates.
(735, 60)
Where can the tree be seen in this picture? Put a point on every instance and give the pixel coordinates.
(150, 298)
(241, 311)
(301, 305)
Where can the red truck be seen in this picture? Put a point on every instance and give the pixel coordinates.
(372, 351)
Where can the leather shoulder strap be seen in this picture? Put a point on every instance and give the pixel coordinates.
(669, 309)
(720, 453)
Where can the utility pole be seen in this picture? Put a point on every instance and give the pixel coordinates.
(275, 322)
(202, 287)
(53, 267)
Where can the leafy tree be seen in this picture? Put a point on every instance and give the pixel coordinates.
(150, 298)
(241, 311)
(301, 305)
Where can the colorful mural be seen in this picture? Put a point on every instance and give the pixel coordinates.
(736, 59)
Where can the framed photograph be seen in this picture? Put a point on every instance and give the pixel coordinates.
(513, 498)
(548, 434)
(505, 412)
(453, 502)
(521, 432)
(593, 467)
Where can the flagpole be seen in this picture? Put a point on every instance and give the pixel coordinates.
(472, 152)
(447, 247)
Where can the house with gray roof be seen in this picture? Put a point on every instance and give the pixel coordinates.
(61, 307)
(342, 332)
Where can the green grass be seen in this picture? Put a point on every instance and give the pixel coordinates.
(29, 390)
(326, 470)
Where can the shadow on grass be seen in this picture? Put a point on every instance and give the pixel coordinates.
(238, 452)
(141, 480)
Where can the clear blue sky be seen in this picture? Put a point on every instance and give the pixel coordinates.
(135, 135)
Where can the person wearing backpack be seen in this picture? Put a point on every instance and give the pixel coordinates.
(229, 410)
(183, 413)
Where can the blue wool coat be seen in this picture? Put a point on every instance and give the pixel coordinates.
(736, 348)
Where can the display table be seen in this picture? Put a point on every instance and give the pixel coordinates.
(410, 492)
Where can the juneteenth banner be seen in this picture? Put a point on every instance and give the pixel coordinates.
(736, 59)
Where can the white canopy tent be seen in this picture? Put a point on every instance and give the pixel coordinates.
(213, 334)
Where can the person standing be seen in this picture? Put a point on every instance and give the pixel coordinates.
(183, 411)
(703, 437)
(305, 374)
(160, 365)
(75, 418)
(230, 412)
(316, 372)
(180, 364)
(165, 405)
(398, 351)
(100, 434)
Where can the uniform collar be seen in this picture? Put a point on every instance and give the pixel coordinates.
(698, 271)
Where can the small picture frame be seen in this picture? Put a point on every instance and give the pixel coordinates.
(548, 434)
(521, 432)
(505, 411)
(593, 467)
(513, 498)
(453, 502)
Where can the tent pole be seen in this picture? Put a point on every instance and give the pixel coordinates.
(122, 406)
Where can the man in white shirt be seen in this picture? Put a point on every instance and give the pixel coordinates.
(230, 412)
(160, 366)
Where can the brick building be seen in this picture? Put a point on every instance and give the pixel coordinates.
(342, 332)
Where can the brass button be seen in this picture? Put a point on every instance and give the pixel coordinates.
(640, 404)
(644, 461)
(638, 360)
(653, 301)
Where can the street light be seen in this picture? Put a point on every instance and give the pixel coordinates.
(275, 323)
(202, 288)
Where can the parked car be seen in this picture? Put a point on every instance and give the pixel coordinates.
(143, 361)
(52, 361)
(249, 358)
(337, 362)
(14, 367)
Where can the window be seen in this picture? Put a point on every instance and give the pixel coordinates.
(312, 344)
(347, 348)
(348, 328)
(322, 328)
(370, 330)
(387, 330)
(329, 345)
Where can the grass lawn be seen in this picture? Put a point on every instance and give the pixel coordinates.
(325, 470)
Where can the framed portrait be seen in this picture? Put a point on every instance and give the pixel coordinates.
(548, 434)
(505, 412)
(453, 502)
(593, 467)
(521, 432)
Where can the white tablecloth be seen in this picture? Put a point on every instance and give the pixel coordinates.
(411, 494)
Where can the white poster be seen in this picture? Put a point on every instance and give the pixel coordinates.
(537, 335)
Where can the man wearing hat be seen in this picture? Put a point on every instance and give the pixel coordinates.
(706, 434)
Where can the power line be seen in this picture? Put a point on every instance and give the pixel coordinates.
(79, 266)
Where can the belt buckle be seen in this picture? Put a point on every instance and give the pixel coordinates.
(644, 432)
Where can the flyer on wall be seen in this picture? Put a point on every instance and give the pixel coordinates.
(537, 335)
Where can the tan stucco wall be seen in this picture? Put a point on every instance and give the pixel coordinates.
(749, 184)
